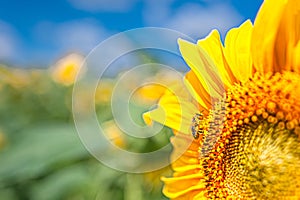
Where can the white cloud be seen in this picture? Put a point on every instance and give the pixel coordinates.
(8, 42)
(197, 20)
(156, 11)
(80, 35)
(103, 5)
(49, 41)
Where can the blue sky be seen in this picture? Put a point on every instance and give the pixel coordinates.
(36, 33)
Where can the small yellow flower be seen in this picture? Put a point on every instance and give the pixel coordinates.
(245, 120)
(104, 91)
(114, 134)
(66, 69)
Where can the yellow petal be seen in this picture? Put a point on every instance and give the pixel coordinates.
(203, 67)
(288, 37)
(180, 191)
(296, 58)
(237, 51)
(175, 110)
(188, 178)
(264, 34)
(187, 159)
(197, 90)
(275, 35)
(214, 48)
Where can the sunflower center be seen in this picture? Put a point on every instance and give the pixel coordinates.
(272, 98)
(250, 141)
(263, 164)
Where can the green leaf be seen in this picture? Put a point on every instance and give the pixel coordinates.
(63, 183)
(8, 194)
(38, 150)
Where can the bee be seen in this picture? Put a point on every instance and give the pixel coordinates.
(196, 125)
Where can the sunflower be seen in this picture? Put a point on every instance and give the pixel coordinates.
(243, 119)
(67, 68)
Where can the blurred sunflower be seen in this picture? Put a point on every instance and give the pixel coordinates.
(3, 140)
(66, 69)
(114, 134)
(104, 91)
(245, 120)
(149, 93)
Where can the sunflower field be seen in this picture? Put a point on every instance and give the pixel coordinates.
(41, 154)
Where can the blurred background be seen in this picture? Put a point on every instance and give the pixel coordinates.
(42, 46)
